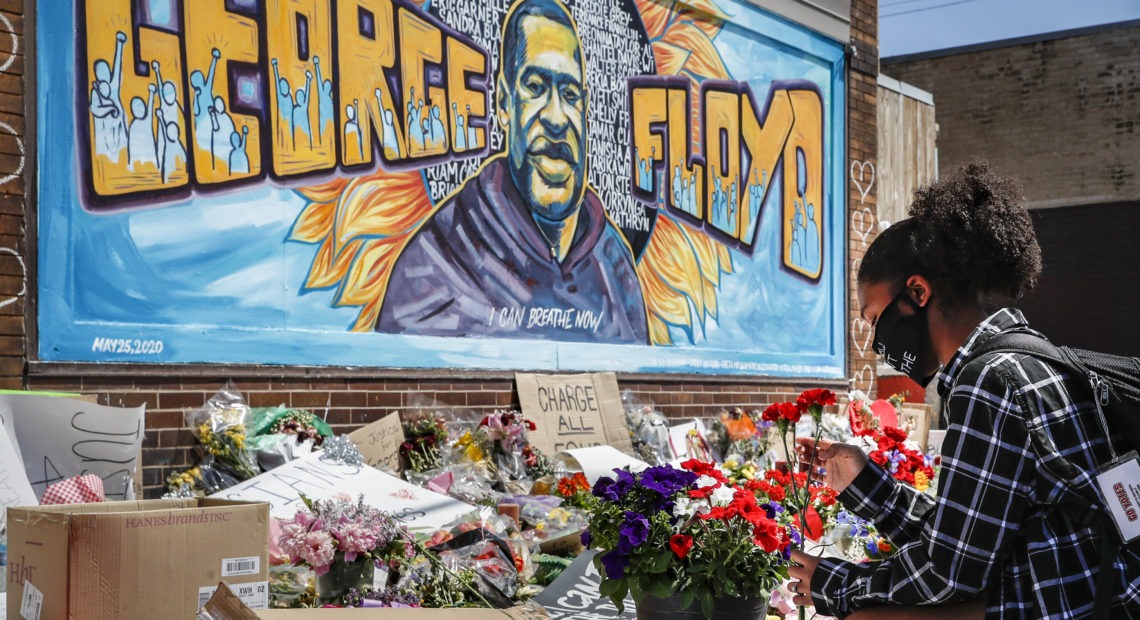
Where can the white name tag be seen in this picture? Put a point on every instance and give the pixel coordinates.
(1119, 485)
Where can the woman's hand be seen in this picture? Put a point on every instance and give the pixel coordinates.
(840, 462)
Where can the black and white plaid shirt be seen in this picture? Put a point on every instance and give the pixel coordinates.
(991, 528)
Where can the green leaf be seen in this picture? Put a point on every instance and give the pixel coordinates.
(610, 587)
(687, 597)
(661, 562)
(707, 604)
(661, 588)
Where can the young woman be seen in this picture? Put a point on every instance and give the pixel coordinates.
(994, 540)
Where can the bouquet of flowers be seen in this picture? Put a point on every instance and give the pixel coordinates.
(741, 436)
(344, 542)
(298, 422)
(510, 450)
(421, 448)
(905, 463)
(687, 532)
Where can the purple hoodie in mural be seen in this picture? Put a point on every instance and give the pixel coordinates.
(481, 267)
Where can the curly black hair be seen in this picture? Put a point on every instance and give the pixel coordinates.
(968, 233)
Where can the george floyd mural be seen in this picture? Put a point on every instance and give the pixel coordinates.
(634, 185)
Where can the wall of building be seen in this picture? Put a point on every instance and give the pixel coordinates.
(1061, 113)
(351, 397)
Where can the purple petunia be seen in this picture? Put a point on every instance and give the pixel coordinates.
(614, 564)
(613, 490)
(634, 530)
(586, 538)
(667, 480)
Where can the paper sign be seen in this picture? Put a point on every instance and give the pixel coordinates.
(916, 419)
(935, 439)
(601, 461)
(1120, 488)
(380, 441)
(574, 594)
(688, 441)
(573, 411)
(418, 508)
(15, 490)
(63, 437)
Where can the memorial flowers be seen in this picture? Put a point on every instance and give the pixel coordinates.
(685, 532)
(343, 542)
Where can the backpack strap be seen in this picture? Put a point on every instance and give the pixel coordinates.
(1084, 513)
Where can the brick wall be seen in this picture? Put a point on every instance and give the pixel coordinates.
(350, 398)
(1063, 115)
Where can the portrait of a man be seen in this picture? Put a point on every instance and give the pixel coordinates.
(524, 248)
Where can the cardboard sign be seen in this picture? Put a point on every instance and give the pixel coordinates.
(380, 441)
(15, 490)
(601, 461)
(418, 508)
(573, 411)
(58, 438)
(574, 594)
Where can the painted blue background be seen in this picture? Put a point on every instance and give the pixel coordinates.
(214, 279)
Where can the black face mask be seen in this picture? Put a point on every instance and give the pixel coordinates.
(904, 341)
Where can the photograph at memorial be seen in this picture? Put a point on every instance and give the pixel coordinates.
(453, 184)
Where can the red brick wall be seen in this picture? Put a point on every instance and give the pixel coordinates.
(350, 398)
(1062, 115)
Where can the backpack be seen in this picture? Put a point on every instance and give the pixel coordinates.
(1113, 381)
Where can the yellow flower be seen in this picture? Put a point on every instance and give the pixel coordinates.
(921, 482)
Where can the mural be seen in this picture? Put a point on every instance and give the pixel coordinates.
(638, 185)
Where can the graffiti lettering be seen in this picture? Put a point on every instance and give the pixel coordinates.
(724, 186)
(209, 94)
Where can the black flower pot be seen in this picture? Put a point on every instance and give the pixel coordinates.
(654, 608)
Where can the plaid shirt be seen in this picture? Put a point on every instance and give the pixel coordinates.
(991, 526)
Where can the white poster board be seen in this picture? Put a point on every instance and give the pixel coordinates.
(58, 438)
(15, 490)
(573, 411)
(418, 508)
(598, 461)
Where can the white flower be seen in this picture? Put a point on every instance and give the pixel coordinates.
(706, 481)
(722, 496)
(684, 508)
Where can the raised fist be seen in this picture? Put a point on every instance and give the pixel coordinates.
(121, 37)
(316, 60)
(216, 53)
(274, 61)
(151, 88)
(154, 65)
(308, 74)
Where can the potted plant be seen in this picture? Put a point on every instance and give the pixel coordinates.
(687, 542)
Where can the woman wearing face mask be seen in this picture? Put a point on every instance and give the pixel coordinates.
(993, 542)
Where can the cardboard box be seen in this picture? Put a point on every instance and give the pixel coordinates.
(224, 605)
(143, 559)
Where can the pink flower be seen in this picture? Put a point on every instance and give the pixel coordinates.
(317, 551)
(354, 539)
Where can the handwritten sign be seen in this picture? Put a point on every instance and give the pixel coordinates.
(418, 508)
(573, 411)
(63, 437)
(574, 594)
(598, 461)
(15, 490)
(380, 441)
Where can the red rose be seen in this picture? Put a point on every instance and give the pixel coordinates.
(681, 544)
(878, 457)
